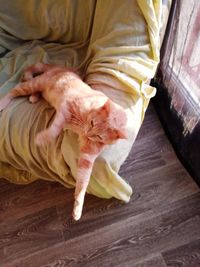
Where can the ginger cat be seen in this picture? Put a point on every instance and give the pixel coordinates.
(96, 119)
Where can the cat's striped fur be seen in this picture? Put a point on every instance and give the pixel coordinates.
(96, 119)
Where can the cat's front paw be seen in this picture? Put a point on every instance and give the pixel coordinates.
(77, 210)
(43, 138)
(34, 98)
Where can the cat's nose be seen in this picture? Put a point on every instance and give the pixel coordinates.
(87, 130)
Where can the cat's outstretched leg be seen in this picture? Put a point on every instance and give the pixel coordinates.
(4, 101)
(30, 73)
(48, 135)
(27, 88)
(85, 166)
(22, 89)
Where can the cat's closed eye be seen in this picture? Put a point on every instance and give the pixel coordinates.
(35, 74)
(92, 123)
(99, 136)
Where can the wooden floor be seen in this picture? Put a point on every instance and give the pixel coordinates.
(160, 226)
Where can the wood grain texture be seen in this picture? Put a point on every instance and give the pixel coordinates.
(151, 261)
(185, 256)
(29, 234)
(159, 227)
(23, 200)
(131, 240)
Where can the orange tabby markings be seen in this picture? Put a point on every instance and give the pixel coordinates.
(89, 113)
(84, 163)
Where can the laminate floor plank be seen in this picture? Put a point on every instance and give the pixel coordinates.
(132, 239)
(23, 200)
(159, 227)
(152, 261)
(185, 256)
(148, 155)
(149, 193)
(24, 236)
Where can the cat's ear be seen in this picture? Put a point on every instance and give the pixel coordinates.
(120, 118)
(122, 134)
(107, 106)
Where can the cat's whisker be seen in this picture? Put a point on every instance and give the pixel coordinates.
(75, 117)
(77, 122)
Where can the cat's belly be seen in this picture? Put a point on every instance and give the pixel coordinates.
(52, 98)
(76, 93)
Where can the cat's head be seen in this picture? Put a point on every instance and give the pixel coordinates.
(106, 124)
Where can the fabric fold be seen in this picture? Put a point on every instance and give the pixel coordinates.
(114, 44)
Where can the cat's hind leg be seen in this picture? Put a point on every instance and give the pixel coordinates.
(35, 70)
(25, 88)
(22, 89)
(4, 101)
